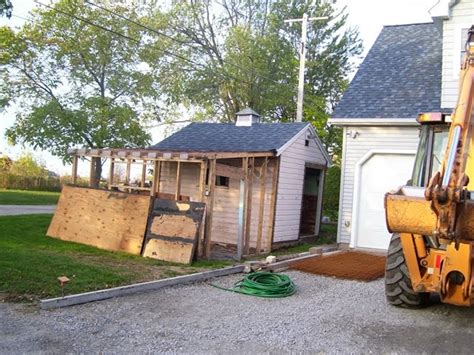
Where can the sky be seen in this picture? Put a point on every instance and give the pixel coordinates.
(369, 16)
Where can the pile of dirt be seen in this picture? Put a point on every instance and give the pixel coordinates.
(348, 265)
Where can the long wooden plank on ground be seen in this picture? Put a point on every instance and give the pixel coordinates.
(108, 220)
(173, 230)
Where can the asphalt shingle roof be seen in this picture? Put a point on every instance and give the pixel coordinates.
(400, 76)
(223, 137)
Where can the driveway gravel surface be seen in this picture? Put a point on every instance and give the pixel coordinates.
(325, 315)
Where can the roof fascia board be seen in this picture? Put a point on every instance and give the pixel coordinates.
(320, 145)
(373, 122)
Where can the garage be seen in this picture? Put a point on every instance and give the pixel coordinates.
(376, 173)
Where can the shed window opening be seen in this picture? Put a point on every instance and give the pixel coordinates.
(222, 181)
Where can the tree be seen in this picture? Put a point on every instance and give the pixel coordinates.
(233, 54)
(6, 8)
(26, 165)
(5, 163)
(78, 80)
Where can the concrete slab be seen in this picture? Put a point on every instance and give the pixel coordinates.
(15, 210)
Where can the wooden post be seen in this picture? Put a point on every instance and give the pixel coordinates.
(202, 180)
(74, 169)
(261, 207)
(178, 182)
(209, 208)
(92, 173)
(242, 208)
(127, 173)
(276, 168)
(248, 212)
(142, 184)
(155, 187)
(111, 172)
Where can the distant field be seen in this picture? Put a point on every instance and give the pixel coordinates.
(22, 197)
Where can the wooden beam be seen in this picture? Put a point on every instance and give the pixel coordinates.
(202, 181)
(155, 188)
(127, 172)
(75, 159)
(248, 213)
(178, 182)
(261, 207)
(271, 225)
(209, 208)
(111, 172)
(92, 173)
(242, 208)
(142, 184)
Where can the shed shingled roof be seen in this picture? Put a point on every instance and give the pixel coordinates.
(223, 137)
(400, 76)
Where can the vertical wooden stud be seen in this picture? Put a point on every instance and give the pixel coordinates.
(178, 182)
(209, 208)
(248, 214)
(155, 188)
(127, 173)
(92, 173)
(111, 172)
(202, 180)
(242, 208)
(142, 184)
(261, 207)
(271, 225)
(74, 169)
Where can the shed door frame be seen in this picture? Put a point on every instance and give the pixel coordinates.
(319, 202)
(357, 185)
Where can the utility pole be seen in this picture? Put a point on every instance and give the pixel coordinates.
(304, 24)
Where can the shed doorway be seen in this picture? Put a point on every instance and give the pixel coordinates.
(311, 202)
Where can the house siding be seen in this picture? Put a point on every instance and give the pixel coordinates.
(368, 138)
(462, 16)
(290, 186)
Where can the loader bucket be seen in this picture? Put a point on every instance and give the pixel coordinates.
(407, 211)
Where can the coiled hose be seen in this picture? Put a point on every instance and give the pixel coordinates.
(263, 284)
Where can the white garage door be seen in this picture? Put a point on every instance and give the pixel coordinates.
(378, 175)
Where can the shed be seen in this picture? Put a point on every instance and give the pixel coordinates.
(262, 182)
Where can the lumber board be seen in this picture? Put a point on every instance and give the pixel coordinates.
(108, 220)
(173, 230)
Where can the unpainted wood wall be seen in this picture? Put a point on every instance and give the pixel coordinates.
(225, 223)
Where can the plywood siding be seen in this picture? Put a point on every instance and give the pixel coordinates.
(290, 186)
(369, 138)
(462, 17)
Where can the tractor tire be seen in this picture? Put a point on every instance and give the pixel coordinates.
(398, 288)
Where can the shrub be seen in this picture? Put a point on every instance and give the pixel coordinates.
(331, 193)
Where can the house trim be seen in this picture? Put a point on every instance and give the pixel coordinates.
(357, 183)
(373, 122)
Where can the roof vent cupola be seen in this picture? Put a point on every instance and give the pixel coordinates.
(247, 117)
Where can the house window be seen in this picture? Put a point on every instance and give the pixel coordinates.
(222, 181)
(306, 142)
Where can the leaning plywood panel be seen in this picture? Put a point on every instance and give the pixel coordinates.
(173, 230)
(108, 220)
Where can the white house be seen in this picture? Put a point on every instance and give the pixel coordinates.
(410, 69)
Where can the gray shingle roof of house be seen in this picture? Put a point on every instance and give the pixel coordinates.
(400, 76)
(222, 137)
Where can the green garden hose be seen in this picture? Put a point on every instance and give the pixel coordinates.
(263, 284)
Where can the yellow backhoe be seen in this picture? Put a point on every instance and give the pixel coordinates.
(432, 218)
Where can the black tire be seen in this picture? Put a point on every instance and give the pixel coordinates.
(398, 288)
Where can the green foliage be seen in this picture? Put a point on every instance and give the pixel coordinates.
(17, 182)
(20, 197)
(6, 8)
(76, 84)
(331, 192)
(5, 163)
(235, 54)
(26, 165)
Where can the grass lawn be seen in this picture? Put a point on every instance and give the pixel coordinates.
(21, 197)
(31, 262)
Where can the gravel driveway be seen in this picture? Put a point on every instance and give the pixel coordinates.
(13, 210)
(326, 315)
